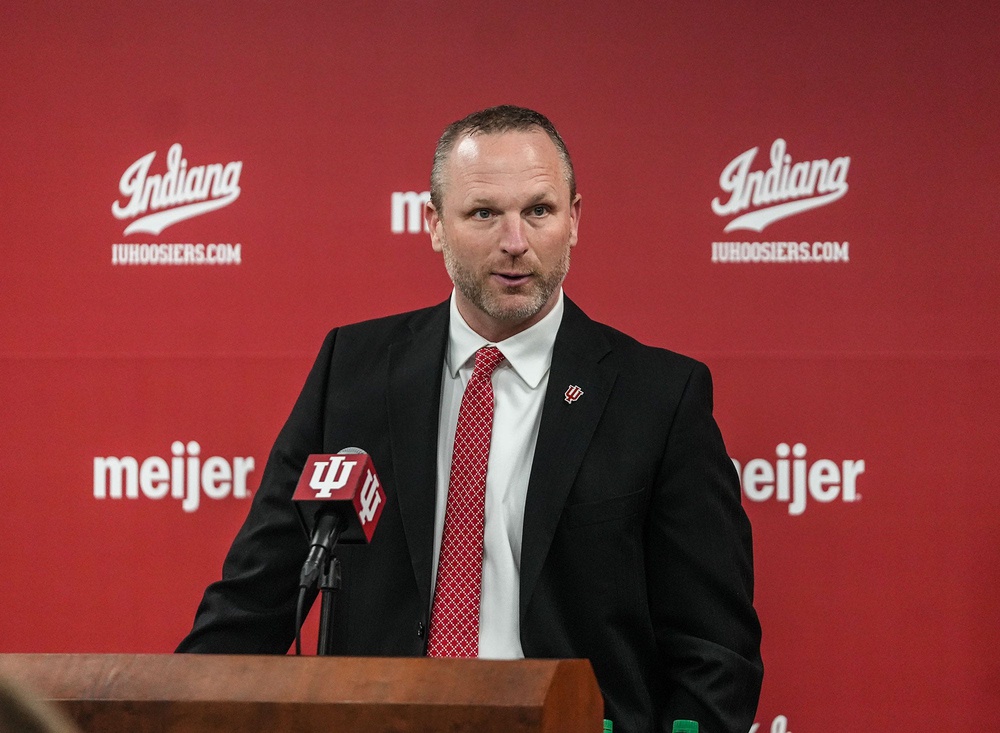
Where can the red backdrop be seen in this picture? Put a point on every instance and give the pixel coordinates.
(879, 604)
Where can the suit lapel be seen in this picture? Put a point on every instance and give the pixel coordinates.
(414, 396)
(563, 436)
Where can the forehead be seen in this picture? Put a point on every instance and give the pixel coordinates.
(506, 164)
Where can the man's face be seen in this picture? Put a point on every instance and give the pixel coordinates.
(505, 229)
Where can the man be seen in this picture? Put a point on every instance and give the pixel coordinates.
(611, 526)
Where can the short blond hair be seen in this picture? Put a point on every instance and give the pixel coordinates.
(496, 121)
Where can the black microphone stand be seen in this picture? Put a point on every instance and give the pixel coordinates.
(329, 584)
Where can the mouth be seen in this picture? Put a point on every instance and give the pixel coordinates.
(513, 279)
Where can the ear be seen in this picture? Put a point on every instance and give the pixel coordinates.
(432, 220)
(574, 219)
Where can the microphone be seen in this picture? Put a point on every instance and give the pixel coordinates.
(338, 499)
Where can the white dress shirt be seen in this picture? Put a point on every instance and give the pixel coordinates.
(518, 392)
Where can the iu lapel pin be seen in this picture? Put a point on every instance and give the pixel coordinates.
(573, 393)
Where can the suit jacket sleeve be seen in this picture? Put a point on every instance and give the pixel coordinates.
(252, 609)
(700, 573)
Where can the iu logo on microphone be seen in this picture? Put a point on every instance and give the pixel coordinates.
(349, 481)
(325, 479)
(370, 498)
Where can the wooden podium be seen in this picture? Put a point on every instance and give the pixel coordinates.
(195, 693)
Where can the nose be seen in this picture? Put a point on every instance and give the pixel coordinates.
(515, 241)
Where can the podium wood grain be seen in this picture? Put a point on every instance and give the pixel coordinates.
(194, 693)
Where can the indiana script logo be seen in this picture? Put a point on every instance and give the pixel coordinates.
(180, 193)
(783, 190)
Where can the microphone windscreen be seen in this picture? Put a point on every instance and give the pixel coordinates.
(345, 483)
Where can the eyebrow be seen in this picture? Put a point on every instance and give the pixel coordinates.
(545, 197)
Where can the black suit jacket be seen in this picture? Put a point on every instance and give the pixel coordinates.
(636, 552)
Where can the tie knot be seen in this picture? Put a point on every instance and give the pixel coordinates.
(487, 359)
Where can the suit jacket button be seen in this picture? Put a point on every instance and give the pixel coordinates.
(420, 629)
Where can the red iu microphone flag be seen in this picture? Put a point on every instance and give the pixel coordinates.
(347, 480)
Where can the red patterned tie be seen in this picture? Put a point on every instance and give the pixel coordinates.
(454, 630)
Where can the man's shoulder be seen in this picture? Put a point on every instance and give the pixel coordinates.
(629, 344)
(648, 379)
(629, 350)
(395, 324)
(366, 344)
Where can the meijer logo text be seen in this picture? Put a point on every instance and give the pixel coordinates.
(184, 476)
(791, 479)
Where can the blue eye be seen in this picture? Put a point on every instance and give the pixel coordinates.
(540, 210)
(481, 214)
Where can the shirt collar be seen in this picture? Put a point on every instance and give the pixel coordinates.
(529, 352)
